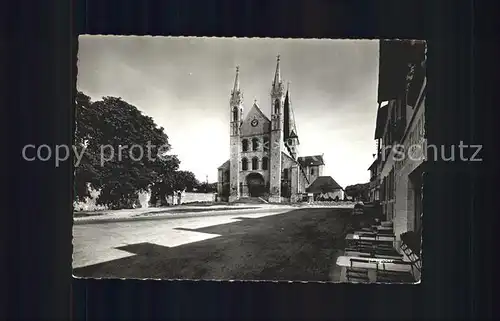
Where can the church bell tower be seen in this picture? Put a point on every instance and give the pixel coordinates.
(276, 139)
(236, 116)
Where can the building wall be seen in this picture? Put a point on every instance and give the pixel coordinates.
(243, 179)
(249, 155)
(263, 125)
(295, 182)
(387, 171)
(317, 171)
(234, 167)
(303, 182)
(387, 203)
(287, 163)
(404, 206)
(197, 197)
(296, 176)
(276, 148)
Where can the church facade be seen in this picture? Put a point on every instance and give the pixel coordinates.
(264, 158)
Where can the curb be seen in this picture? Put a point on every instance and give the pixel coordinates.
(160, 216)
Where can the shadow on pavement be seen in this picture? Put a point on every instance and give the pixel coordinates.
(299, 245)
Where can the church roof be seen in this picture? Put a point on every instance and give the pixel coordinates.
(323, 184)
(277, 74)
(288, 156)
(311, 160)
(225, 165)
(256, 107)
(289, 127)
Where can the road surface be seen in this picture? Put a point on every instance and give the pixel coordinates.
(263, 244)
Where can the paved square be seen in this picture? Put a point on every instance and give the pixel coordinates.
(300, 244)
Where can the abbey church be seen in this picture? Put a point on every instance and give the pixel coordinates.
(264, 156)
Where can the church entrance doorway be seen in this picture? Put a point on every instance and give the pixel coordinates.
(256, 185)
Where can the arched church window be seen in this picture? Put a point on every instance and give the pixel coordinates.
(266, 144)
(255, 163)
(255, 144)
(265, 163)
(312, 171)
(235, 114)
(244, 164)
(276, 106)
(244, 145)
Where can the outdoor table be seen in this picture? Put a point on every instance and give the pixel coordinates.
(369, 238)
(368, 255)
(365, 233)
(353, 239)
(371, 265)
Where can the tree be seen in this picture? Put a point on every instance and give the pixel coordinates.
(87, 170)
(358, 191)
(169, 182)
(205, 187)
(164, 169)
(185, 180)
(115, 123)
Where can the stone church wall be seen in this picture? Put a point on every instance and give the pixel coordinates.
(197, 197)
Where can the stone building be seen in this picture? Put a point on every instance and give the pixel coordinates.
(325, 188)
(264, 155)
(400, 134)
(374, 189)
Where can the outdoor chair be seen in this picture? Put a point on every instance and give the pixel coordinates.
(376, 234)
(385, 232)
(374, 242)
(411, 248)
(354, 274)
(373, 254)
(410, 245)
(363, 232)
(386, 223)
(384, 276)
(374, 250)
(374, 230)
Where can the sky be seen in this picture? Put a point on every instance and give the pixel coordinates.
(184, 84)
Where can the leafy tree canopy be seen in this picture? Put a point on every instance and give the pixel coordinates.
(357, 191)
(119, 131)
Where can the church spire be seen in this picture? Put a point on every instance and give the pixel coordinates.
(236, 87)
(236, 94)
(277, 74)
(291, 130)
